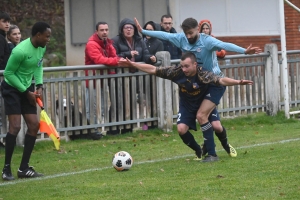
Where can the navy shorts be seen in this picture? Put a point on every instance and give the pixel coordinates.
(15, 102)
(214, 93)
(214, 116)
(189, 118)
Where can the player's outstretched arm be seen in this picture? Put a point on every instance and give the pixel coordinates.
(150, 69)
(138, 25)
(253, 50)
(229, 82)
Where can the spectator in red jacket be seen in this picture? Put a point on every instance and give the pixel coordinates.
(99, 50)
(206, 27)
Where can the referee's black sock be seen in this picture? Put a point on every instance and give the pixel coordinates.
(10, 143)
(28, 147)
(190, 141)
(223, 138)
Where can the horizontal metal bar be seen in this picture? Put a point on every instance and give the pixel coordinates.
(242, 65)
(240, 108)
(92, 126)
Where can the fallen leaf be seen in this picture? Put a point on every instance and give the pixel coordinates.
(162, 170)
(166, 135)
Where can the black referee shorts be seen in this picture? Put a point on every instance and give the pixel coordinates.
(15, 102)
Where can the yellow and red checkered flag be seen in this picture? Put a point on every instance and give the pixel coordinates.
(46, 125)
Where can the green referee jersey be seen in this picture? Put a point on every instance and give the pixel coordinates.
(24, 63)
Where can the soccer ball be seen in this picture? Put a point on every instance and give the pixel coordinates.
(122, 161)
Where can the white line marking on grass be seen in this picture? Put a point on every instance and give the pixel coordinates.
(136, 163)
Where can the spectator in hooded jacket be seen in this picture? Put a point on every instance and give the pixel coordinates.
(206, 27)
(129, 44)
(166, 23)
(99, 50)
(154, 45)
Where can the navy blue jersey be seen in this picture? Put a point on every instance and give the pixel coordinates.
(191, 89)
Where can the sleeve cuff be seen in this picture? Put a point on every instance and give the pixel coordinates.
(26, 91)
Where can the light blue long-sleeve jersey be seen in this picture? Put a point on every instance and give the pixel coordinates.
(204, 48)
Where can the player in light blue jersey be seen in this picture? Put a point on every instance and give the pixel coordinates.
(204, 47)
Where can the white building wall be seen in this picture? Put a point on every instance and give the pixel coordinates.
(228, 17)
(74, 54)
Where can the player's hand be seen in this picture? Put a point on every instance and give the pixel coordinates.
(125, 63)
(245, 82)
(153, 59)
(253, 50)
(138, 25)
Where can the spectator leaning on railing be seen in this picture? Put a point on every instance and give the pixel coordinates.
(129, 44)
(99, 50)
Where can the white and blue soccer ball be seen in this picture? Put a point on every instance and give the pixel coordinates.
(122, 161)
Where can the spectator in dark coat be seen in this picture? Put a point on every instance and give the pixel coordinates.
(167, 26)
(131, 45)
(154, 45)
(4, 48)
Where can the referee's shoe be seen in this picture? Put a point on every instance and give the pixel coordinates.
(6, 173)
(28, 173)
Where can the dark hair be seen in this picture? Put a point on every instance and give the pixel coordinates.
(166, 16)
(99, 23)
(190, 55)
(188, 24)
(152, 23)
(12, 27)
(39, 27)
(5, 16)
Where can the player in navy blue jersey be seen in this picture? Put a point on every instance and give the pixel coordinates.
(204, 47)
(193, 82)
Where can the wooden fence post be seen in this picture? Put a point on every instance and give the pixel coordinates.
(164, 96)
(272, 80)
